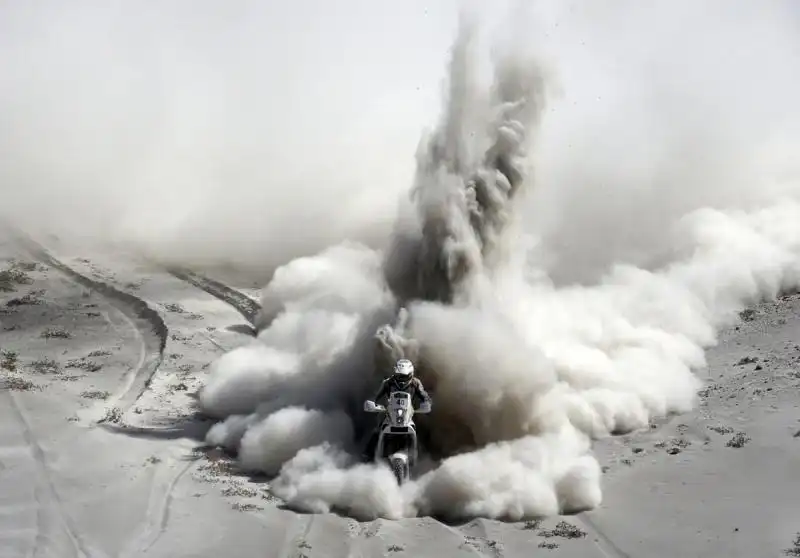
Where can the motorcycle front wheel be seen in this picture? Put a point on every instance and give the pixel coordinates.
(400, 470)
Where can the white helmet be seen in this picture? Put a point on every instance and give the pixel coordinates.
(404, 369)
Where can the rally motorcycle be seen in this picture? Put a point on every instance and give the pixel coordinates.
(397, 437)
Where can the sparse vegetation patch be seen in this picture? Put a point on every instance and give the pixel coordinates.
(46, 366)
(174, 307)
(30, 299)
(564, 530)
(12, 277)
(113, 414)
(56, 333)
(84, 364)
(238, 489)
(15, 382)
(8, 360)
(747, 315)
(739, 440)
(95, 394)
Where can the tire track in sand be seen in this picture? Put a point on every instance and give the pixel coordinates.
(157, 515)
(146, 322)
(242, 303)
(152, 332)
(47, 497)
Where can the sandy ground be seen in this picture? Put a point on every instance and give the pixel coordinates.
(101, 452)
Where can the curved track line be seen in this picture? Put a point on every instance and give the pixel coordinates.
(157, 517)
(137, 311)
(80, 547)
(242, 303)
(293, 537)
(604, 543)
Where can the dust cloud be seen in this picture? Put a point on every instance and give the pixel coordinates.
(526, 369)
(597, 198)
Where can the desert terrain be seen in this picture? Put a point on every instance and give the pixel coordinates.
(222, 223)
(103, 454)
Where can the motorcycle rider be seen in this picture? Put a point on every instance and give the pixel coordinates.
(402, 379)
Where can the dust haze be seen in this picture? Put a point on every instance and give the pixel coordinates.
(595, 193)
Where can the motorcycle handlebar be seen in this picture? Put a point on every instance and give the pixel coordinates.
(382, 409)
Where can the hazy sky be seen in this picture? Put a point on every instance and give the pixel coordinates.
(223, 123)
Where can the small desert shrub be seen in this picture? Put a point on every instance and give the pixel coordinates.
(45, 366)
(56, 333)
(236, 489)
(532, 525)
(174, 307)
(95, 394)
(564, 530)
(30, 299)
(84, 364)
(747, 315)
(739, 440)
(14, 382)
(8, 360)
(13, 277)
(113, 414)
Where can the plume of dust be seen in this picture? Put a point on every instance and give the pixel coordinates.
(524, 374)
